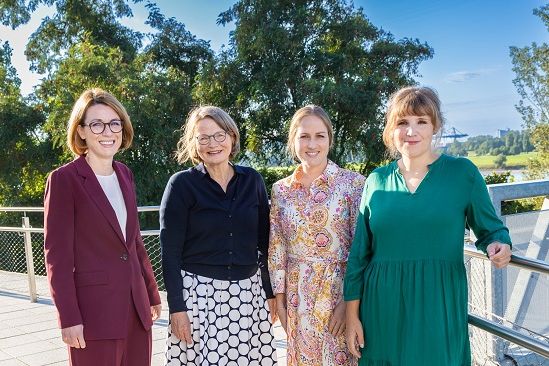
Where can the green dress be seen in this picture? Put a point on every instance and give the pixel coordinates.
(406, 263)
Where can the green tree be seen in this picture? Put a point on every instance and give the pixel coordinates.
(84, 45)
(531, 66)
(156, 97)
(457, 148)
(285, 54)
(499, 161)
(26, 153)
(75, 19)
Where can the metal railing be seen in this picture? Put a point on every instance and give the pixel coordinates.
(502, 331)
(151, 240)
(534, 265)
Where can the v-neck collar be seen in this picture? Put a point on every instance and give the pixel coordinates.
(430, 168)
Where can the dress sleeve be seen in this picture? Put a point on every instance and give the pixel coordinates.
(173, 228)
(482, 218)
(277, 247)
(357, 189)
(263, 236)
(360, 254)
(59, 247)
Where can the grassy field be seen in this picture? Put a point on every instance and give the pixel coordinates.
(513, 161)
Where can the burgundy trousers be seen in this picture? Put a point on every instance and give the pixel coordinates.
(134, 350)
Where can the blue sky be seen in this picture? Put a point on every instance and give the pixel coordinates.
(471, 68)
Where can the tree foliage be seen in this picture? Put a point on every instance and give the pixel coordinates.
(285, 54)
(531, 66)
(512, 143)
(97, 21)
(26, 153)
(88, 47)
(282, 56)
(14, 13)
(157, 99)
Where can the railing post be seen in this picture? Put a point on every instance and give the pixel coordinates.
(30, 260)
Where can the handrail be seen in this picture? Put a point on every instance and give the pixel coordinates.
(531, 264)
(21, 209)
(41, 209)
(510, 335)
(41, 230)
(148, 208)
(516, 260)
(15, 229)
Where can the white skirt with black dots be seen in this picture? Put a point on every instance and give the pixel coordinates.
(230, 324)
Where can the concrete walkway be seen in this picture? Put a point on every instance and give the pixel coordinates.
(29, 335)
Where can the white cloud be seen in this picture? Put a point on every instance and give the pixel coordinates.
(462, 76)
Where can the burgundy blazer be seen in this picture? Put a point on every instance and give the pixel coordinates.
(94, 274)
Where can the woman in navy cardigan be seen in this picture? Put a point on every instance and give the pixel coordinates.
(214, 233)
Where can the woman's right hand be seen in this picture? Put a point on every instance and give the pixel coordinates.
(181, 327)
(74, 336)
(281, 310)
(354, 333)
(355, 336)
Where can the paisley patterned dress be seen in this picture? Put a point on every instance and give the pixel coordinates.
(311, 233)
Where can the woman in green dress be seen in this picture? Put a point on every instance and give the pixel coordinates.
(406, 286)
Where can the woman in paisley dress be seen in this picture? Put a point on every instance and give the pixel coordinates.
(313, 215)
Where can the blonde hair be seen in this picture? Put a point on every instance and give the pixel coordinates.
(88, 98)
(308, 110)
(411, 101)
(187, 148)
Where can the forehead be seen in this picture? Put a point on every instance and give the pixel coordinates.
(311, 124)
(102, 112)
(413, 107)
(207, 126)
(416, 117)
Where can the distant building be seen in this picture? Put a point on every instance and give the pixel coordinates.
(502, 133)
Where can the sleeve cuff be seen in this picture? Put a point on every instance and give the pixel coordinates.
(176, 304)
(279, 282)
(501, 235)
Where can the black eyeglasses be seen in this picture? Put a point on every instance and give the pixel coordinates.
(97, 126)
(218, 137)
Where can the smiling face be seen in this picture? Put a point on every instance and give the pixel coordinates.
(105, 145)
(312, 142)
(413, 135)
(214, 152)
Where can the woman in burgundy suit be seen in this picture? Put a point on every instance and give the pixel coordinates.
(100, 276)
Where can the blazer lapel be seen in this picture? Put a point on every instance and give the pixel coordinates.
(95, 192)
(126, 186)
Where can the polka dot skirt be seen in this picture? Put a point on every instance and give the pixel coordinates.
(230, 324)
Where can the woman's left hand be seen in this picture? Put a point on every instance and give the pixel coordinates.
(272, 309)
(499, 254)
(336, 327)
(156, 310)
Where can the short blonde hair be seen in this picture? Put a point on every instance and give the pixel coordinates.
(411, 101)
(187, 146)
(308, 110)
(88, 98)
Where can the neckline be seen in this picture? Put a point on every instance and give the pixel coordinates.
(434, 163)
(99, 176)
(430, 166)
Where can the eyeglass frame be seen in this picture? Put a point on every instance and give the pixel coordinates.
(225, 134)
(105, 124)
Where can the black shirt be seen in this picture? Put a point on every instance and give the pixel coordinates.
(212, 233)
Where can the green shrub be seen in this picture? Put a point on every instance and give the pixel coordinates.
(514, 206)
